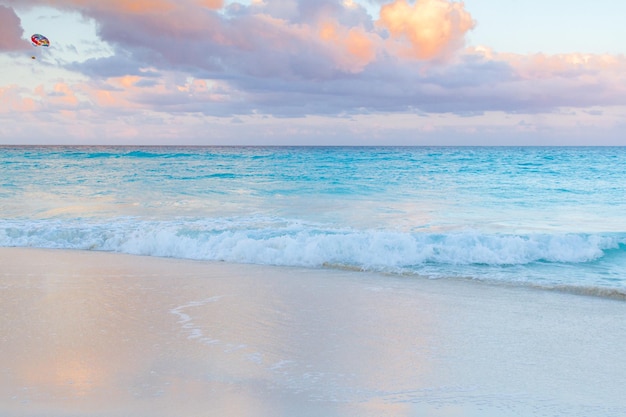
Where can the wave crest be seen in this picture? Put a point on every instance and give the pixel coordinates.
(296, 244)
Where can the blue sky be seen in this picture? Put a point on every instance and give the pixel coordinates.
(549, 26)
(370, 72)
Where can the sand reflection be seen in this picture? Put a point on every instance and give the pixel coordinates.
(331, 339)
(96, 334)
(145, 336)
(76, 334)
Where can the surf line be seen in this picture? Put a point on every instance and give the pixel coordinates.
(187, 322)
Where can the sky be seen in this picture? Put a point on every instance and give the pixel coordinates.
(313, 72)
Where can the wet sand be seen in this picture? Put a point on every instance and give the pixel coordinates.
(101, 334)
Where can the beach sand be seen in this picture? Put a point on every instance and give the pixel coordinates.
(101, 334)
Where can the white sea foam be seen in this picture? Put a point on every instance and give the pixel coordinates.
(187, 323)
(279, 242)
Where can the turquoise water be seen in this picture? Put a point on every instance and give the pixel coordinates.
(548, 217)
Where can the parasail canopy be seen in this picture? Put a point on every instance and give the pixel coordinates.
(39, 40)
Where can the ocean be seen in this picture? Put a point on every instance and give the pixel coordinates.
(546, 217)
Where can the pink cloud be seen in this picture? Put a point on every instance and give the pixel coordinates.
(211, 4)
(541, 66)
(11, 31)
(574, 79)
(110, 6)
(353, 48)
(432, 28)
(12, 99)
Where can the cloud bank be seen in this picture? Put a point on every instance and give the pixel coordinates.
(299, 58)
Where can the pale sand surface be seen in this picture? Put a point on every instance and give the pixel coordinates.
(99, 334)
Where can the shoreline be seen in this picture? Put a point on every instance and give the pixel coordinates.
(99, 333)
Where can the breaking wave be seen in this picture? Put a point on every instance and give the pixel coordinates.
(276, 242)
